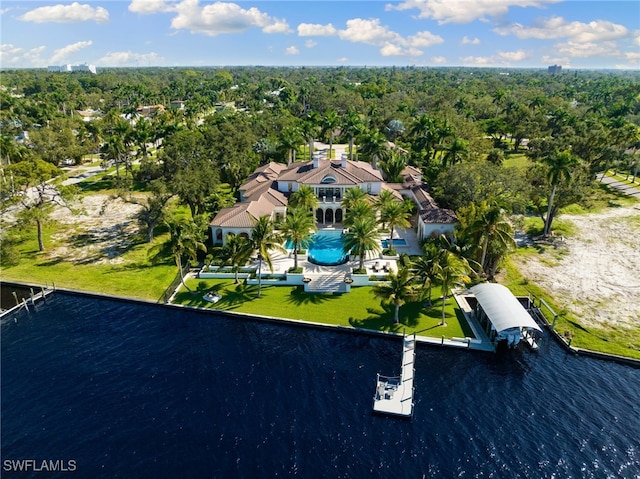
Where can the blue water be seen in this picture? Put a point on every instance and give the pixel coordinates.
(130, 390)
(325, 248)
(396, 242)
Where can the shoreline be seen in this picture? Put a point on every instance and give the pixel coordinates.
(455, 343)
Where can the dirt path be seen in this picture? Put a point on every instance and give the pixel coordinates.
(596, 273)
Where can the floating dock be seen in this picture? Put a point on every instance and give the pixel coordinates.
(34, 298)
(394, 395)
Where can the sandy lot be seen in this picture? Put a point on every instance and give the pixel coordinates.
(101, 232)
(596, 273)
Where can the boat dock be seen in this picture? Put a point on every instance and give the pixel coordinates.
(394, 395)
(25, 303)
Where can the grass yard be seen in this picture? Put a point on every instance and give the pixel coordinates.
(131, 274)
(357, 309)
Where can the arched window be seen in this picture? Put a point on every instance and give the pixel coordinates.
(328, 180)
(339, 215)
(319, 216)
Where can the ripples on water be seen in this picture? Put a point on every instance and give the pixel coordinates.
(130, 390)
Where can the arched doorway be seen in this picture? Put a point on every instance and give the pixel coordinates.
(319, 216)
(328, 216)
(339, 215)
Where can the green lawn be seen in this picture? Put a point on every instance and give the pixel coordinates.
(128, 274)
(357, 309)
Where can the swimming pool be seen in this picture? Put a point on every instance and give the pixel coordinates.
(396, 242)
(325, 248)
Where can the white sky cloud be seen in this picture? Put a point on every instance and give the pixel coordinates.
(558, 27)
(292, 50)
(549, 60)
(470, 41)
(343, 59)
(371, 32)
(222, 17)
(72, 13)
(499, 59)
(10, 55)
(130, 59)
(464, 11)
(438, 60)
(587, 49)
(310, 43)
(61, 54)
(151, 6)
(316, 30)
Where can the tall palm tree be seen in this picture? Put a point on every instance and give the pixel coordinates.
(352, 126)
(352, 196)
(454, 152)
(361, 238)
(297, 227)
(561, 167)
(309, 129)
(265, 238)
(395, 215)
(290, 140)
(372, 145)
(394, 128)
(398, 289)
(304, 197)
(381, 201)
(330, 121)
(424, 267)
(450, 270)
(358, 209)
(236, 251)
(186, 238)
(492, 229)
(392, 167)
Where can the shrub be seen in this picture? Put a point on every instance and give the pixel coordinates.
(359, 271)
(295, 270)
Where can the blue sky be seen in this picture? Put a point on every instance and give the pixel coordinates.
(487, 33)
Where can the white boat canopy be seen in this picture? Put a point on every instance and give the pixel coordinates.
(502, 308)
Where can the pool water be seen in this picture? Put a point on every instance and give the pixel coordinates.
(396, 242)
(325, 248)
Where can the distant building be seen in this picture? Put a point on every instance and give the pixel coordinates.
(553, 69)
(72, 68)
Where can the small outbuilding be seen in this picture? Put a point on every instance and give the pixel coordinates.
(503, 317)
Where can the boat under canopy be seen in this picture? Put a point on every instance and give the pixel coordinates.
(510, 321)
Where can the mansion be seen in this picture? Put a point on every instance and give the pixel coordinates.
(268, 188)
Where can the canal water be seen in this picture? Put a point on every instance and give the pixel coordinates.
(131, 390)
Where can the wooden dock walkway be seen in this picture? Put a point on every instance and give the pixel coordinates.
(35, 297)
(394, 395)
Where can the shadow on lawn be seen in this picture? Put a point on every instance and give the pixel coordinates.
(299, 297)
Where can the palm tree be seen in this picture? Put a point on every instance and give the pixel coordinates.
(492, 229)
(392, 167)
(297, 227)
(186, 238)
(450, 270)
(330, 121)
(237, 251)
(304, 197)
(265, 238)
(560, 168)
(352, 127)
(424, 267)
(398, 290)
(309, 129)
(362, 238)
(373, 145)
(352, 196)
(289, 142)
(358, 209)
(381, 201)
(455, 152)
(395, 215)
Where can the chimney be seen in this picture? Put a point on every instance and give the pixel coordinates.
(344, 160)
(316, 160)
